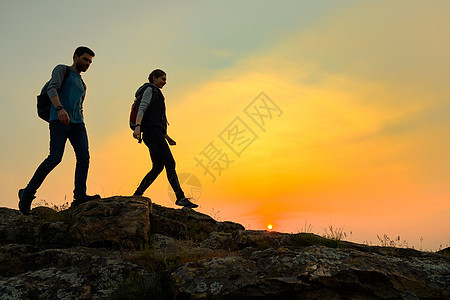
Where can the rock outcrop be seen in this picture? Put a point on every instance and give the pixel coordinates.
(129, 248)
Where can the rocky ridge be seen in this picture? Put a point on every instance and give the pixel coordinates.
(131, 248)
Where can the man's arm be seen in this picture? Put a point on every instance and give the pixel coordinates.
(63, 116)
(54, 85)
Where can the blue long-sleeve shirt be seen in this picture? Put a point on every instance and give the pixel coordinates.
(71, 93)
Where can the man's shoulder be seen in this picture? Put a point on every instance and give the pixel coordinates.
(61, 69)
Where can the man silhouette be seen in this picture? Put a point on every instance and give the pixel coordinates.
(66, 91)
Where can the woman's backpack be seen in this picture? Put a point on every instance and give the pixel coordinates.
(135, 106)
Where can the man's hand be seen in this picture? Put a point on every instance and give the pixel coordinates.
(63, 116)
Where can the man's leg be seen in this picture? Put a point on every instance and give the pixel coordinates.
(58, 137)
(79, 140)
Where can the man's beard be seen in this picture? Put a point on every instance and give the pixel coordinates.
(81, 67)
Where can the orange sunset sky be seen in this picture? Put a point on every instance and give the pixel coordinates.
(305, 113)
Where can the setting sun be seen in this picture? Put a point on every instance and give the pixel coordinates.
(269, 226)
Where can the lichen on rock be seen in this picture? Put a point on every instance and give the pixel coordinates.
(128, 248)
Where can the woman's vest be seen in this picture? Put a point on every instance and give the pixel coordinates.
(155, 114)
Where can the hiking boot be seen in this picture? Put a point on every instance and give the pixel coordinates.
(186, 203)
(25, 200)
(83, 199)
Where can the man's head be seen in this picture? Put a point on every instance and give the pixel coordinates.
(82, 58)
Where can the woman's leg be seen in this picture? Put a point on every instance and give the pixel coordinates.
(153, 141)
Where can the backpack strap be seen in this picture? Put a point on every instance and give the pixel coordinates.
(142, 90)
(84, 85)
(66, 75)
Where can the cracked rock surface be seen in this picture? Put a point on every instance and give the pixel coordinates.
(130, 248)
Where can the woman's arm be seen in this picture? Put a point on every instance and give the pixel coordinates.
(145, 102)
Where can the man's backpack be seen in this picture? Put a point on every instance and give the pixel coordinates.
(135, 106)
(43, 100)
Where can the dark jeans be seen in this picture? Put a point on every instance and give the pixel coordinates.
(161, 157)
(59, 133)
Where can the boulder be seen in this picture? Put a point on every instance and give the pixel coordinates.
(198, 225)
(109, 222)
(314, 272)
(168, 227)
(75, 273)
(115, 221)
(129, 248)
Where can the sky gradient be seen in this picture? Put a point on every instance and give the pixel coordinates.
(353, 96)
